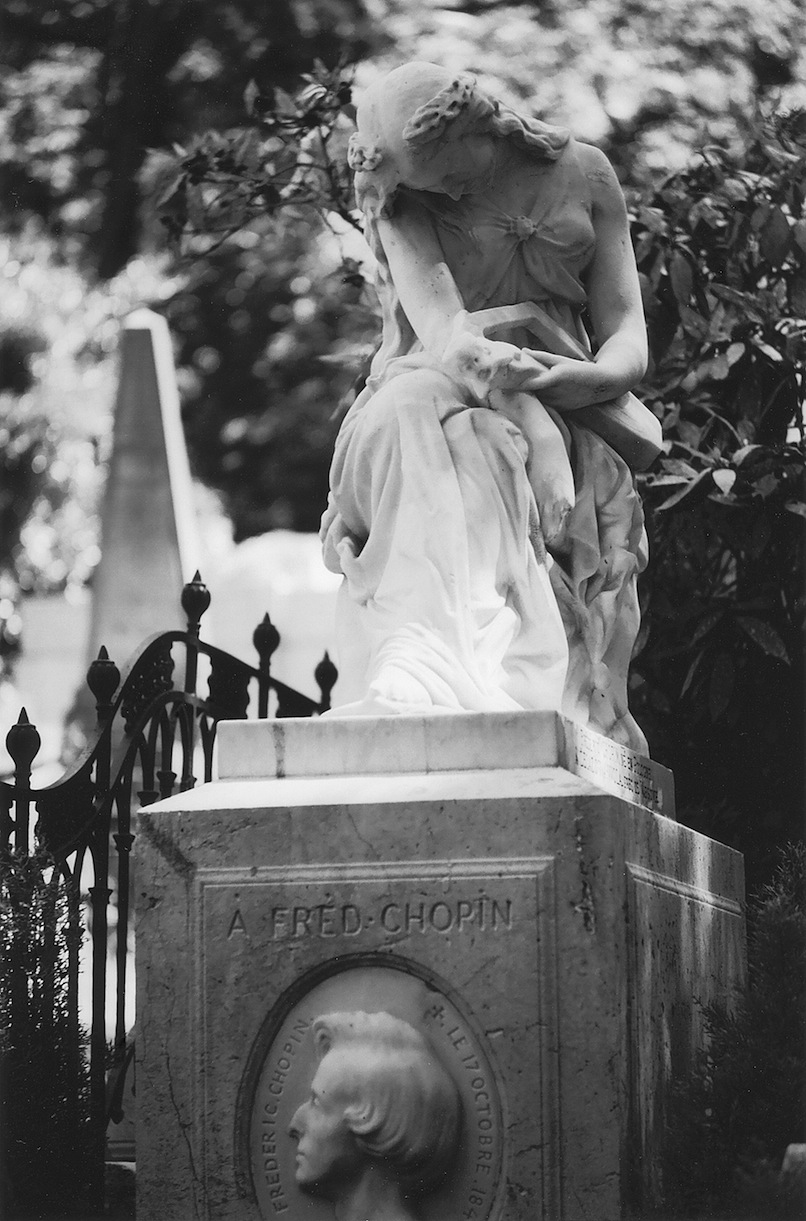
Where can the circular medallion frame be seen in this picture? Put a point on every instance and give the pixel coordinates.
(282, 1063)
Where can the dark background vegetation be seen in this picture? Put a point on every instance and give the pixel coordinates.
(150, 154)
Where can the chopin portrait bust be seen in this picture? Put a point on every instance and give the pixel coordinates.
(381, 1126)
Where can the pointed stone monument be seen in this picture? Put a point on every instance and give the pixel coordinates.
(149, 544)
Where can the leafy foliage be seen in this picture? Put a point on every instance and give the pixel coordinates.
(646, 80)
(58, 340)
(721, 250)
(732, 1119)
(91, 85)
(23, 455)
(272, 323)
(293, 155)
(45, 1095)
(254, 323)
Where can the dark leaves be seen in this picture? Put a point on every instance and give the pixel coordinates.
(682, 277)
(689, 494)
(293, 155)
(776, 238)
(764, 636)
(722, 256)
(720, 687)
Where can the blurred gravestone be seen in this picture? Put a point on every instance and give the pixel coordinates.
(149, 545)
(149, 538)
(281, 573)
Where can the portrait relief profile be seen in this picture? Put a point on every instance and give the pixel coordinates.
(381, 1125)
(373, 1097)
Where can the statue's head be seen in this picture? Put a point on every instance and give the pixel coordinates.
(379, 1098)
(424, 127)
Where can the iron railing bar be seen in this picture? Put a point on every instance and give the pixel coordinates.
(147, 739)
(99, 895)
(73, 1050)
(123, 841)
(207, 730)
(48, 969)
(121, 759)
(186, 721)
(165, 773)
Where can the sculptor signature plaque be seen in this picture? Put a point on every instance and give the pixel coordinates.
(397, 1055)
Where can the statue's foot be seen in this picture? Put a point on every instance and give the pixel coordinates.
(397, 689)
(393, 692)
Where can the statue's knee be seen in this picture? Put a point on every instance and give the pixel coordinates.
(411, 392)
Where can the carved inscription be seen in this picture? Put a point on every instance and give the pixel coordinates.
(482, 1118)
(236, 925)
(271, 1111)
(482, 914)
(616, 768)
(400, 918)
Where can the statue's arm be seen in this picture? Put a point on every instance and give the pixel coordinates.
(614, 293)
(433, 305)
(614, 302)
(422, 279)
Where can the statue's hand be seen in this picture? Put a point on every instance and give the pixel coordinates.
(566, 383)
(483, 365)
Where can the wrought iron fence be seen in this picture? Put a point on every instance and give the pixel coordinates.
(153, 737)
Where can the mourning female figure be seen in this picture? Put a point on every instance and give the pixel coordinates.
(382, 1123)
(489, 536)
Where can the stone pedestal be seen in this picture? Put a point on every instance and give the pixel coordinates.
(553, 942)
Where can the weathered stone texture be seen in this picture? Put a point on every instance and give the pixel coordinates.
(557, 934)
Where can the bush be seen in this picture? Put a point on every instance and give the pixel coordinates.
(44, 1115)
(732, 1119)
(271, 322)
(721, 250)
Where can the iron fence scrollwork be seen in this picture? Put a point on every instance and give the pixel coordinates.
(152, 738)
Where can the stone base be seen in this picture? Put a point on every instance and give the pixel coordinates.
(554, 942)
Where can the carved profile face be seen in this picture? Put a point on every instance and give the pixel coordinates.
(420, 127)
(328, 1156)
(432, 130)
(381, 1107)
(460, 164)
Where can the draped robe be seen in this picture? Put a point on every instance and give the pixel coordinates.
(451, 600)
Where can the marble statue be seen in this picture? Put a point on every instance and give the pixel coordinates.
(483, 509)
(382, 1124)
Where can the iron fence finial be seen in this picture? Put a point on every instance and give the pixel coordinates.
(266, 639)
(23, 742)
(325, 675)
(195, 600)
(103, 678)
